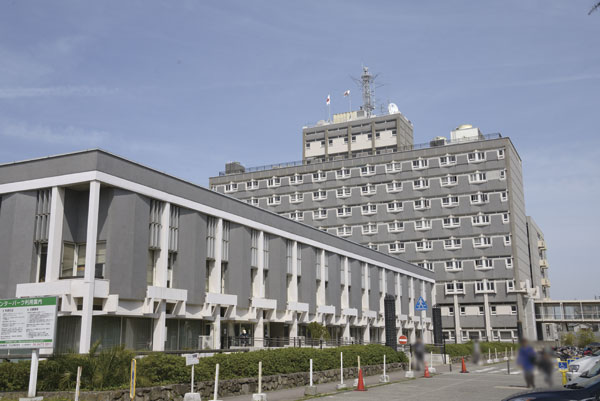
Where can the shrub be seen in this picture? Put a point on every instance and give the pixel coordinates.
(584, 337)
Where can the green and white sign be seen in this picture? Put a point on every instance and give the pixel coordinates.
(27, 322)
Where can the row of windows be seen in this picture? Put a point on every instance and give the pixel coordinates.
(481, 310)
(367, 170)
(455, 265)
(480, 287)
(354, 138)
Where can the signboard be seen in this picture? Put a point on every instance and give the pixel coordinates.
(421, 304)
(191, 359)
(402, 340)
(562, 365)
(27, 322)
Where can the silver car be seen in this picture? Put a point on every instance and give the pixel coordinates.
(582, 365)
(584, 376)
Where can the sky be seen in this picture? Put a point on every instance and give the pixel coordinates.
(185, 86)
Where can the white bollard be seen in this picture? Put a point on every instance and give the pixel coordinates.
(431, 368)
(384, 378)
(342, 385)
(358, 369)
(505, 354)
(260, 396)
(311, 390)
(78, 385)
(216, 389)
(496, 355)
(489, 356)
(409, 373)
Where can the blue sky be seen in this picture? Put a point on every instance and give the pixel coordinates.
(184, 86)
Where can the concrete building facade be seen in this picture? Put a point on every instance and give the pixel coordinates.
(141, 258)
(454, 207)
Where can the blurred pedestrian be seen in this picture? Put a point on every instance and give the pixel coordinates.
(526, 359)
(476, 352)
(419, 354)
(244, 338)
(546, 365)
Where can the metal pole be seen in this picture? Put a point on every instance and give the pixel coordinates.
(192, 378)
(78, 383)
(384, 364)
(341, 368)
(311, 379)
(216, 382)
(508, 366)
(260, 377)
(35, 360)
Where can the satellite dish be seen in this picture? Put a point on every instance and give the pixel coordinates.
(392, 108)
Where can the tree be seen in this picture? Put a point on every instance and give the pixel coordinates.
(568, 339)
(584, 337)
(318, 331)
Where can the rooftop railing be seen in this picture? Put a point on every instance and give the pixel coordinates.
(339, 157)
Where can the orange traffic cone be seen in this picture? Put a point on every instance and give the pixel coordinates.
(426, 371)
(464, 367)
(361, 383)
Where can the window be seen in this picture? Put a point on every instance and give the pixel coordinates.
(298, 216)
(274, 182)
(500, 153)
(344, 231)
(502, 174)
(479, 199)
(448, 180)
(343, 173)
(296, 197)
(421, 204)
(171, 267)
(420, 164)
(424, 245)
(455, 287)
(330, 142)
(395, 206)
(254, 236)
(451, 222)
(480, 220)
(393, 167)
(509, 263)
(450, 201)
(451, 311)
(367, 170)
(353, 138)
(507, 240)
(319, 195)
(426, 265)
(421, 183)
(463, 310)
(510, 285)
(476, 157)
(368, 209)
(477, 178)
(452, 243)
(482, 242)
(319, 176)
(322, 144)
(395, 226)
(481, 310)
(484, 264)
(266, 241)
(493, 310)
(231, 187)
(253, 201)
(368, 229)
(344, 211)
(319, 214)
(396, 247)
(513, 309)
(374, 247)
(274, 200)
(343, 192)
(394, 187)
(252, 184)
(368, 189)
(505, 218)
(289, 249)
(504, 196)
(151, 268)
(100, 265)
(296, 179)
(453, 265)
(422, 225)
(447, 160)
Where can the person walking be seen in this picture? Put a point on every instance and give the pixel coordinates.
(419, 354)
(526, 359)
(476, 352)
(546, 365)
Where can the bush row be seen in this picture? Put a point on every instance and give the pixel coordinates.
(109, 369)
(467, 348)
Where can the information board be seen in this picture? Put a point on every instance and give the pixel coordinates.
(27, 322)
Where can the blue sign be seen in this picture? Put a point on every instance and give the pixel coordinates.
(421, 304)
(562, 365)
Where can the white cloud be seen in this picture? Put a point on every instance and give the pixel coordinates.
(66, 136)
(55, 91)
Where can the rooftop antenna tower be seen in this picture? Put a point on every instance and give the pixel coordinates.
(368, 94)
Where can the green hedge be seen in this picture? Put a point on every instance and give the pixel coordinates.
(109, 369)
(467, 348)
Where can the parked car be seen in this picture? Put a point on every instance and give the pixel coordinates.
(585, 376)
(582, 365)
(588, 391)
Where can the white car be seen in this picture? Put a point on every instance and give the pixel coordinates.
(585, 376)
(582, 365)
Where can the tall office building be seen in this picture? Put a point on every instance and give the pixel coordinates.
(452, 206)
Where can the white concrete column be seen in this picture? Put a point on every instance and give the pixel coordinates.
(382, 291)
(216, 329)
(321, 299)
(365, 292)
(346, 332)
(487, 316)
(367, 332)
(293, 287)
(90, 266)
(259, 329)
(294, 326)
(55, 232)
(345, 301)
(457, 327)
(159, 332)
(259, 289)
(399, 294)
(214, 280)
